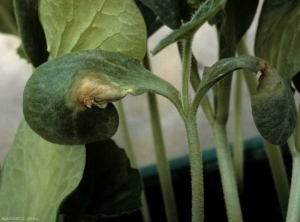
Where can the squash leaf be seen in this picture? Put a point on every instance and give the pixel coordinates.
(8, 23)
(278, 36)
(38, 175)
(273, 105)
(206, 11)
(167, 11)
(113, 25)
(33, 38)
(147, 13)
(109, 186)
(233, 22)
(274, 109)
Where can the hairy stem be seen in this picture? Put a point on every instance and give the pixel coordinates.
(229, 184)
(196, 169)
(186, 70)
(293, 214)
(130, 153)
(162, 161)
(279, 175)
(161, 157)
(238, 144)
(189, 118)
(195, 81)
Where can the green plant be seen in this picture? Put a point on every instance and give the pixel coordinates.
(87, 54)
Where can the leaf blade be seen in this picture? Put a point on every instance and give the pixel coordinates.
(273, 105)
(111, 192)
(167, 11)
(278, 36)
(101, 24)
(207, 10)
(29, 174)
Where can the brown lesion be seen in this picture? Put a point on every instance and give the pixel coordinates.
(263, 66)
(92, 88)
(88, 101)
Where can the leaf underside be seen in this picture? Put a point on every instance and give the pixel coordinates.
(38, 175)
(111, 25)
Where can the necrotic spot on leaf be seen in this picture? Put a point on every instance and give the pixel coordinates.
(90, 88)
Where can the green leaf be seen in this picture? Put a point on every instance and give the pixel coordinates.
(113, 25)
(273, 105)
(167, 11)
(38, 175)
(278, 36)
(31, 32)
(8, 22)
(234, 22)
(274, 109)
(109, 187)
(147, 13)
(206, 11)
(63, 96)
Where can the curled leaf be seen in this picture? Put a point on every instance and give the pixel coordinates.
(64, 98)
(273, 107)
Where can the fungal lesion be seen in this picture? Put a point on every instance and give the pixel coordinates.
(92, 89)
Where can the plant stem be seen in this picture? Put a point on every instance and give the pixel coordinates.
(161, 157)
(196, 169)
(238, 144)
(232, 202)
(186, 70)
(251, 80)
(195, 82)
(130, 153)
(193, 138)
(279, 175)
(162, 161)
(125, 133)
(293, 214)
